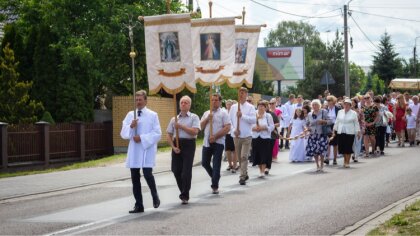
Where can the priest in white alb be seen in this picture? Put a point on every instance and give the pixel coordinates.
(144, 134)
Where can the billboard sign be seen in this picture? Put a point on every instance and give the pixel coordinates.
(281, 63)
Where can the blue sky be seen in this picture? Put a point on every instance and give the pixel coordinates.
(380, 17)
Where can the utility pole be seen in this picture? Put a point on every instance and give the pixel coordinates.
(346, 54)
(415, 59)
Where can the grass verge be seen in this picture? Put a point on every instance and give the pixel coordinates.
(114, 159)
(405, 223)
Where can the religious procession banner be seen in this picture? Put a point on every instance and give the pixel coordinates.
(169, 53)
(246, 44)
(213, 43)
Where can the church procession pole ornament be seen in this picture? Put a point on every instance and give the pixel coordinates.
(132, 55)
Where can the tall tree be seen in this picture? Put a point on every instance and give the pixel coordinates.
(385, 62)
(16, 106)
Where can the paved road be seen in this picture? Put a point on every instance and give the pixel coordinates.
(292, 200)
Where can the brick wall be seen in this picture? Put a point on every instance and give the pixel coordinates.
(123, 104)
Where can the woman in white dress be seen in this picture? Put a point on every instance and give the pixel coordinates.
(296, 128)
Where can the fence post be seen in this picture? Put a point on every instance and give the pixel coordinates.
(80, 135)
(109, 139)
(44, 130)
(3, 139)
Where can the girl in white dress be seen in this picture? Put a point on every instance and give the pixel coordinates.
(297, 150)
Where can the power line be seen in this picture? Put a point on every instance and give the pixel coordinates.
(302, 3)
(389, 17)
(292, 14)
(364, 33)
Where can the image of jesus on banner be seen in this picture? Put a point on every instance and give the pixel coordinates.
(210, 46)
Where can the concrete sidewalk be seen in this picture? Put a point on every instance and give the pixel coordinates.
(62, 180)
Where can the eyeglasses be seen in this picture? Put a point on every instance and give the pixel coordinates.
(272, 103)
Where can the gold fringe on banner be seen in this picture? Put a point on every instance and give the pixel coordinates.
(239, 73)
(209, 71)
(212, 23)
(245, 30)
(172, 74)
(172, 91)
(167, 22)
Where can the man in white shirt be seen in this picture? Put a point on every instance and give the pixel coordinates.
(188, 126)
(144, 133)
(416, 111)
(242, 120)
(289, 109)
(214, 141)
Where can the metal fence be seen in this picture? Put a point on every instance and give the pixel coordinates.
(43, 143)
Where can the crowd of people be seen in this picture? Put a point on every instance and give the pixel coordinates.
(316, 130)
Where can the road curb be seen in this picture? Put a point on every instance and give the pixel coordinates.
(369, 223)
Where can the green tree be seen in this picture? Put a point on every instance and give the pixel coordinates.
(357, 76)
(16, 106)
(385, 61)
(260, 86)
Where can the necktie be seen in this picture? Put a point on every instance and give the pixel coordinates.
(139, 113)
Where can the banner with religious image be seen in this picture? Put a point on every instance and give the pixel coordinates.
(169, 53)
(246, 44)
(213, 43)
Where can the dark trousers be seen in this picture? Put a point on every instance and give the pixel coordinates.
(282, 131)
(215, 150)
(380, 137)
(181, 166)
(135, 180)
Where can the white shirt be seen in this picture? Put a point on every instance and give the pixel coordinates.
(265, 121)
(245, 122)
(347, 122)
(142, 154)
(411, 121)
(415, 109)
(220, 120)
(283, 117)
(191, 120)
(331, 113)
(290, 110)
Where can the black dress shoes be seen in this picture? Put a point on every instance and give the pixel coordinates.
(156, 203)
(137, 209)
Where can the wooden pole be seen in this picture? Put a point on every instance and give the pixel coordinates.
(210, 8)
(168, 11)
(176, 121)
(210, 89)
(211, 111)
(239, 97)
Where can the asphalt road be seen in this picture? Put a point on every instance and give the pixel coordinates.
(292, 200)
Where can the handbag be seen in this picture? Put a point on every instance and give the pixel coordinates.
(326, 129)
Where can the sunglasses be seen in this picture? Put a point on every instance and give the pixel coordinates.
(314, 116)
(366, 98)
(272, 103)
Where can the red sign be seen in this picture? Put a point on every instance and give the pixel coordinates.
(279, 53)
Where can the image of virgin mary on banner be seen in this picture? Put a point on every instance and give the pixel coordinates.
(168, 53)
(213, 43)
(246, 44)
